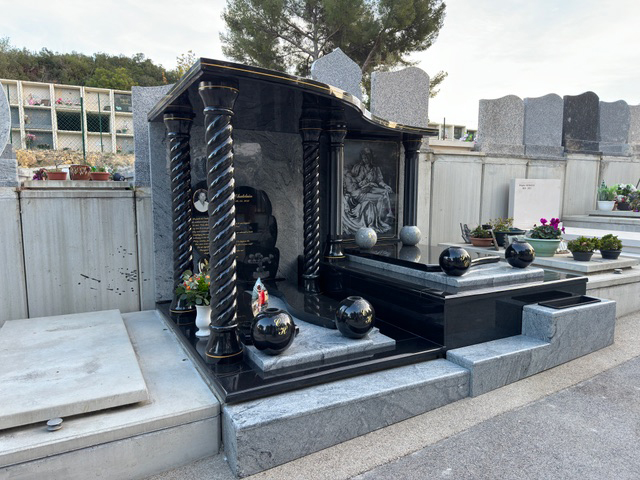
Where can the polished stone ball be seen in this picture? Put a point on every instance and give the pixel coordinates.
(118, 177)
(454, 261)
(410, 235)
(366, 237)
(410, 253)
(273, 331)
(354, 317)
(519, 254)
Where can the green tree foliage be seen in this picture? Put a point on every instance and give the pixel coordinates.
(98, 70)
(289, 35)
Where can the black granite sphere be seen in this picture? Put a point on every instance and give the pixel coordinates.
(520, 254)
(273, 331)
(454, 261)
(354, 317)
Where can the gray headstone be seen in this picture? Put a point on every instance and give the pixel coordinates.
(543, 126)
(143, 100)
(338, 70)
(501, 126)
(634, 129)
(8, 162)
(401, 96)
(5, 120)
(581, 123)
(614, 128)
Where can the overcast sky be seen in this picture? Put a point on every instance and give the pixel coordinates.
(490, 48)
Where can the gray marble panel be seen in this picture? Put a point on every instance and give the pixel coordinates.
(143, 100)
(581, 123)
(499, 362)
(5, 120)
(572, 332)
(401, 96)
(634, 128)
(337, 69)
(614, 127)
(543, 126)
(482, 276)
(315, 344)
(501, 126)
(8, 168)
(261, 434)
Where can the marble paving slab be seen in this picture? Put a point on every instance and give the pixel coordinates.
(66, 365)
(482, 276)
(315, 344)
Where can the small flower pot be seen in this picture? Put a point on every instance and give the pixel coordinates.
(582, 256)
(56, 175)
(605, 205)
(624, 206)
(99, 176)
(501, 236)
(481, 242)
(610, 254)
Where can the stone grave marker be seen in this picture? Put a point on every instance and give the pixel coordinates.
(543, 126)
(338, 70)
(533, 199)
(401, 97)
(581, 123)
(634, 129)
(614, 127)
(256, 232)
(501, 126)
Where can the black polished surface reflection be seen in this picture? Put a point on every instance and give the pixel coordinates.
(354, 317)
(273, 331)
(520, 254)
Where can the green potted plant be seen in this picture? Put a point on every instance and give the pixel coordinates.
(546, 237)
(502, 227)
(481, 237)
(194, 289)
(582, 248)
(610, 247)
(606, 197)
(99, 174)
(624, 191)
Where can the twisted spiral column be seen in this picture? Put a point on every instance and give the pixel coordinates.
(178, 126)
(310, 129)
(219, 98)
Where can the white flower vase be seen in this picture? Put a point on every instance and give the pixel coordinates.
(203, 319)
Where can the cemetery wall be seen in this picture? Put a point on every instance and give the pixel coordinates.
(13, 296)
(474, 187)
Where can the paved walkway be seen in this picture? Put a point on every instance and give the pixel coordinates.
(580, 420)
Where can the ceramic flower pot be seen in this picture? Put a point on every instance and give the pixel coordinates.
(519, 254)
(354, 317)
(203, 319)
(79, 172)
(544, 247)
(273, 331)
(582, 256)
(610, 254)
(99, 176)
(56, 175)
(481, 242)
(501, 236)
(606, 205)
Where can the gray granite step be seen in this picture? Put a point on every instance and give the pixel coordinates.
(261, 434)
(550, 337)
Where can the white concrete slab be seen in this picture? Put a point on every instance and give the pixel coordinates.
(531, 199)
(178, 399)
(66, 365)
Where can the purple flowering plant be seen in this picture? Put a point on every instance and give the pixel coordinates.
(547, 230)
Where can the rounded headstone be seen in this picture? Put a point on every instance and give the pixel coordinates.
(401, 96)
(501, 125)
(338, 70)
